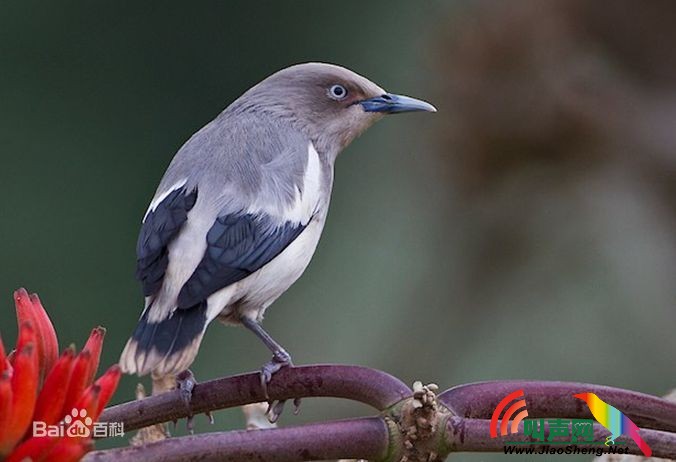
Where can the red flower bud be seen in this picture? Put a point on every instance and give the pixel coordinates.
(27, 336)
(29, 308)
(78, 380)
(94, 345)
(108, 384)
(52, 398)
(24, 392)
(89, 401)
(50, 344)
(5, 408)
(66, 389)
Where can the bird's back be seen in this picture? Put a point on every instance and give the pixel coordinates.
(239, 160)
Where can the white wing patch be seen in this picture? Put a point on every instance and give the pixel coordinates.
(158, 200)
(305, 203)
(305, 196)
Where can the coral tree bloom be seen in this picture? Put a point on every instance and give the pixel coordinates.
(40, 389)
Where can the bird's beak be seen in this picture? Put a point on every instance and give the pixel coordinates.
(582, 396)
(393, 104)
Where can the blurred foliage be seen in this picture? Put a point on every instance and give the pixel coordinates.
(524, 231)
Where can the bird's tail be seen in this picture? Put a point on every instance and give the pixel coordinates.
(165, 347)
(642, 445)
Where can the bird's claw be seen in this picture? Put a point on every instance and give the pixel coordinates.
(296, 406)
(279, 360)
(275, 409)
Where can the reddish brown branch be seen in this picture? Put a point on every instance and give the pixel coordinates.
(555, 399)
(347, 439)
(369, 386)
(369, 438)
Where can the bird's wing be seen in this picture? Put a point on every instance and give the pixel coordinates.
(234, 197)
(161, 225)
(238, 244)
(258, 185)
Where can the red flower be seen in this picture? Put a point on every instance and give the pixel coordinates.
(39, 390)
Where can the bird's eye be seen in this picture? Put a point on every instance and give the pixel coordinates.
(337, 92)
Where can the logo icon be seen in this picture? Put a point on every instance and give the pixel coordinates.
(78, 424)
(519, 405)
(614, 421)
(563, 436)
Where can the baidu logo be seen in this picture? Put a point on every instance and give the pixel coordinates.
(77, 424)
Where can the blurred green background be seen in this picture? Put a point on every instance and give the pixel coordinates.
(524, 231)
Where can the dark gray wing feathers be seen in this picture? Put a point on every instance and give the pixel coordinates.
(237, 246)
(160, 227)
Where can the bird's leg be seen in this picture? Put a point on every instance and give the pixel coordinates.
(280, 357)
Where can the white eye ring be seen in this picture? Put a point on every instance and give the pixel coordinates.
(337, 92)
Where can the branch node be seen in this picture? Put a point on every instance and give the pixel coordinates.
(419, 423)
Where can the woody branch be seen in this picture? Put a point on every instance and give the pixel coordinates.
(463, 414)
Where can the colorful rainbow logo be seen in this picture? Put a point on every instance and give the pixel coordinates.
(517, 406)
(614, 421)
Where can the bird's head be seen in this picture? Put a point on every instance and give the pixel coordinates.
(331, 104)
(583, 396)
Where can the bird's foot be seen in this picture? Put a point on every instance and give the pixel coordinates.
(185, 382)
(280, 359)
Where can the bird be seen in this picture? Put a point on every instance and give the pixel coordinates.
(614, 421)
(238, 214)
